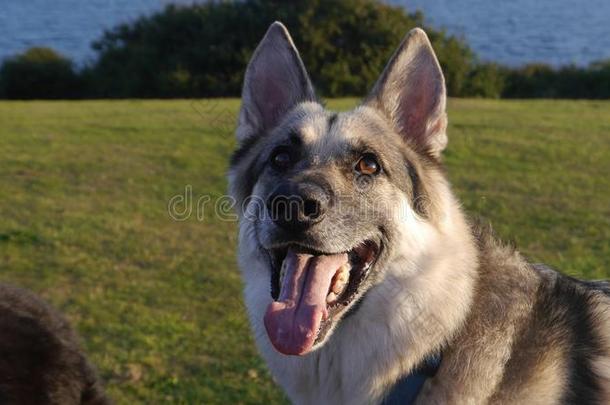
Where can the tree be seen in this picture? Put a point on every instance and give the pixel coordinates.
(203, 49)
(39, 73)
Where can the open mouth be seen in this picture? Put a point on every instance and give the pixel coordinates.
(312, 289)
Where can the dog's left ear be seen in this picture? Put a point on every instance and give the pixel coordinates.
(411, 93)
(275, 81)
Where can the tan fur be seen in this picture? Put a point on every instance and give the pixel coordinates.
(546, 385)
(602, 363)
(503, 345)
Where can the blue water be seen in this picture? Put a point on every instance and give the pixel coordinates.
(515, 32)
(69, 26)
(508, 31)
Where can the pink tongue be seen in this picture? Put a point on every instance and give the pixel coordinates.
(293, 321)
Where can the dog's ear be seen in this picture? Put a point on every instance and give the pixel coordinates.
(275, 81)
(411, 93)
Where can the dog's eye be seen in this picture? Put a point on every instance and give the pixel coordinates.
(281, 158)
(368, 165)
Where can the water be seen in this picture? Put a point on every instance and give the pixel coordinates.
(512, 32)
(68, 26)
(515, 32)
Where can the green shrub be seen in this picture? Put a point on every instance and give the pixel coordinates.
(485, 80)
(39, 73)
(202, 49)
(543, 81)
(535, 80)
(601, 78)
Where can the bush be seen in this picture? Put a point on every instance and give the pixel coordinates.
(535, 80)
(601, 78)
(485, 80)
(39, 73)
(202, 50)
(542, 81)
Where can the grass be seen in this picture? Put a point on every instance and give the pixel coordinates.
(84, 192)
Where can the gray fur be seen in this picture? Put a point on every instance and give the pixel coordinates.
(509, 331)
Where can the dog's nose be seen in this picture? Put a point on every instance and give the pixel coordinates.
(297, 207)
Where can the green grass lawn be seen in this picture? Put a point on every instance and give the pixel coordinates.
(84, 190)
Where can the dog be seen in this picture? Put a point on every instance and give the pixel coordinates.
(41, 362)
(361, 269)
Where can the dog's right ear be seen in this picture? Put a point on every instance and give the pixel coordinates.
(275, 81)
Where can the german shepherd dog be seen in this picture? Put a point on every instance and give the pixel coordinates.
(360, 266)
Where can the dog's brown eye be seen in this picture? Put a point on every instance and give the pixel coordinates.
(367, 165)
(281, 159)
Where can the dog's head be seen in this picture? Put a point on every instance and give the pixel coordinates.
(327, 200)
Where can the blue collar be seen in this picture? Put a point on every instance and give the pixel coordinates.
(406, 389)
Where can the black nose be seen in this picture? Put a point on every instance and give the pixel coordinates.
(297, 207)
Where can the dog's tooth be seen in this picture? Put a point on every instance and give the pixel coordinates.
(338, 287)
(282, 273)
(331, 298)
(340, 280)
(344, 272)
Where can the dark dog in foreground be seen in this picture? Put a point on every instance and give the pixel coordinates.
(360, 265)
(41, 361)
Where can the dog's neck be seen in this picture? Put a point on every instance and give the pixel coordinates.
(423, 301)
